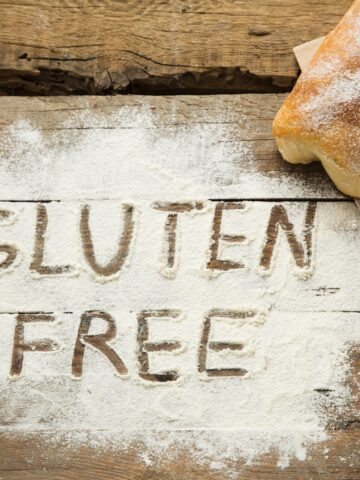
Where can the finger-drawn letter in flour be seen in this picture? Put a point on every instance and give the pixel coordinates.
(21, 345)
(145, 347)
(205, 354)
(5, 216)
(219, 346)
(171, 223)
(215, 263)
(115, 265)
(37, 264)
(303, 255)
(98, 341)
(11, 253)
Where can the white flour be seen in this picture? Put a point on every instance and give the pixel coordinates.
(335, 76)
(89, 156)
(295, 346)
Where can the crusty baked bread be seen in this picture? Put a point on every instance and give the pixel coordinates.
(320, 119)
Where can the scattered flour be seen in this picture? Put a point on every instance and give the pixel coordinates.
(164, 158)
(331, 98)
(337, 80)
(295, 346)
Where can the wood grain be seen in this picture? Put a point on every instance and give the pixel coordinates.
(242, 122)
(38, 456)
(30, 458)
(83, 46)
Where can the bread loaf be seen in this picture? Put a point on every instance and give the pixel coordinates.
(320, 119)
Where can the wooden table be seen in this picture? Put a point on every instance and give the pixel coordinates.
(165, 48)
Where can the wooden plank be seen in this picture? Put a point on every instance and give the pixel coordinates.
(37, 458)
(213, 247)
(29, 458)
(155, 46)
(47, 453)
(224, 147)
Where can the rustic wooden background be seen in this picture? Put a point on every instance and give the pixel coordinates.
(159, 47)
(156, 46)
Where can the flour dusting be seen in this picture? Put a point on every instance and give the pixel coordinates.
(288, 331)
(333, 81)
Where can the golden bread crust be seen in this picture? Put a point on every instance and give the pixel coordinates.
(320, 119)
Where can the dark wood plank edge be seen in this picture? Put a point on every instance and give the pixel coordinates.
(156, 48)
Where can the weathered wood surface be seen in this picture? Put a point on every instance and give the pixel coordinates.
(38, 174)
(224, 145)
(29, 459)
(189, 46)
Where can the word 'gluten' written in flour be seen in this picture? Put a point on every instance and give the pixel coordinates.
(48, 225)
